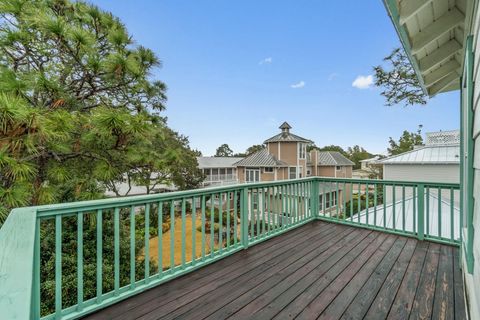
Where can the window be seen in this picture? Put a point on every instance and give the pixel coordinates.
(268, 170)
(302, 150)
(229, 171)
(252, 175)
(339, 168)
(222, 171)
(292, 172)
(330, 200)
(214, 171)
(206, 172)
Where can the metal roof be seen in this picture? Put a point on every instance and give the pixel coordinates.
(433, 34)
(446, 154)
(333, 158)
(287, 137)
(217, 162)
(261, 158)
(374, 216)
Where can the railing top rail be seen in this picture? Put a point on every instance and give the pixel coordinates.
(391, 182)
(83, 206)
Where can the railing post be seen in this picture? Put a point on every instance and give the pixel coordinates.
(421, 211)
(244, 217)
(314, 199)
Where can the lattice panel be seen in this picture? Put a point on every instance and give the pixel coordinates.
(443, 137)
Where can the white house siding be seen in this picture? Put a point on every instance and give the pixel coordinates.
(449, 173)
(472, 281)
(446, 173)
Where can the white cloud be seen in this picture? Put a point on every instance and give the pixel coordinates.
(266, 61)
(301, 84)
(363, 82)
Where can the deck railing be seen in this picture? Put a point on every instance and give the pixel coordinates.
(67, 260)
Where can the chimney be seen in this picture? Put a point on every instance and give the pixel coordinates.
(285, 128)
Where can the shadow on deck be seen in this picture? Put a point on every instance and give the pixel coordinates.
(320, 270)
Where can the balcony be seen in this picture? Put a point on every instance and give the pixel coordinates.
(262, 250)
(220, 179)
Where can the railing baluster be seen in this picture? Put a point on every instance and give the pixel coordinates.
(427, 211)
(394, 204)
(132, 247)
(235, 216)
(351, 201)
(384, 188)
(58, 266)
(220, 222)
(375, 204)
(367, 194)
(359, 207)
(147, 242)
(294, 203)
(172, 235)
(403, 208)
(244, 217)
(116, 247)
(452, 221)
(80, 260)
(252, 220)
(212, 225)
(344, 201)
(160, 239)
(203, 226)
(269, 209)
(336, 201)
(184, 232)
(99, 256)
(439, 213)
(228, 219)
(263, 211)
(194, 230)
(257, 213)
(421, 211)
(415, 213)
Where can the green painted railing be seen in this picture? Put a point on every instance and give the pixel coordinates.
(68, 260)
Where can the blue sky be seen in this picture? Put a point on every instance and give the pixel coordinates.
(235, 70)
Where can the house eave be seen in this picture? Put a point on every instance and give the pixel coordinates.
(424, 37)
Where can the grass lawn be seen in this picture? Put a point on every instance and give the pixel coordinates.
(178, 242)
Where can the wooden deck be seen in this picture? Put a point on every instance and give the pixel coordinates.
(320, 270)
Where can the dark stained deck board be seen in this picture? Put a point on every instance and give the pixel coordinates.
(301, 277)
(320, 270)
(403, 302)
(383, 302)
(244, 284)
(181, 286)
(458, 289)
(210, 293)
(323, 290)
(423, 303)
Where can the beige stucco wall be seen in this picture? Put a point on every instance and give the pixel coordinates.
(241, 174)
(288, 153)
